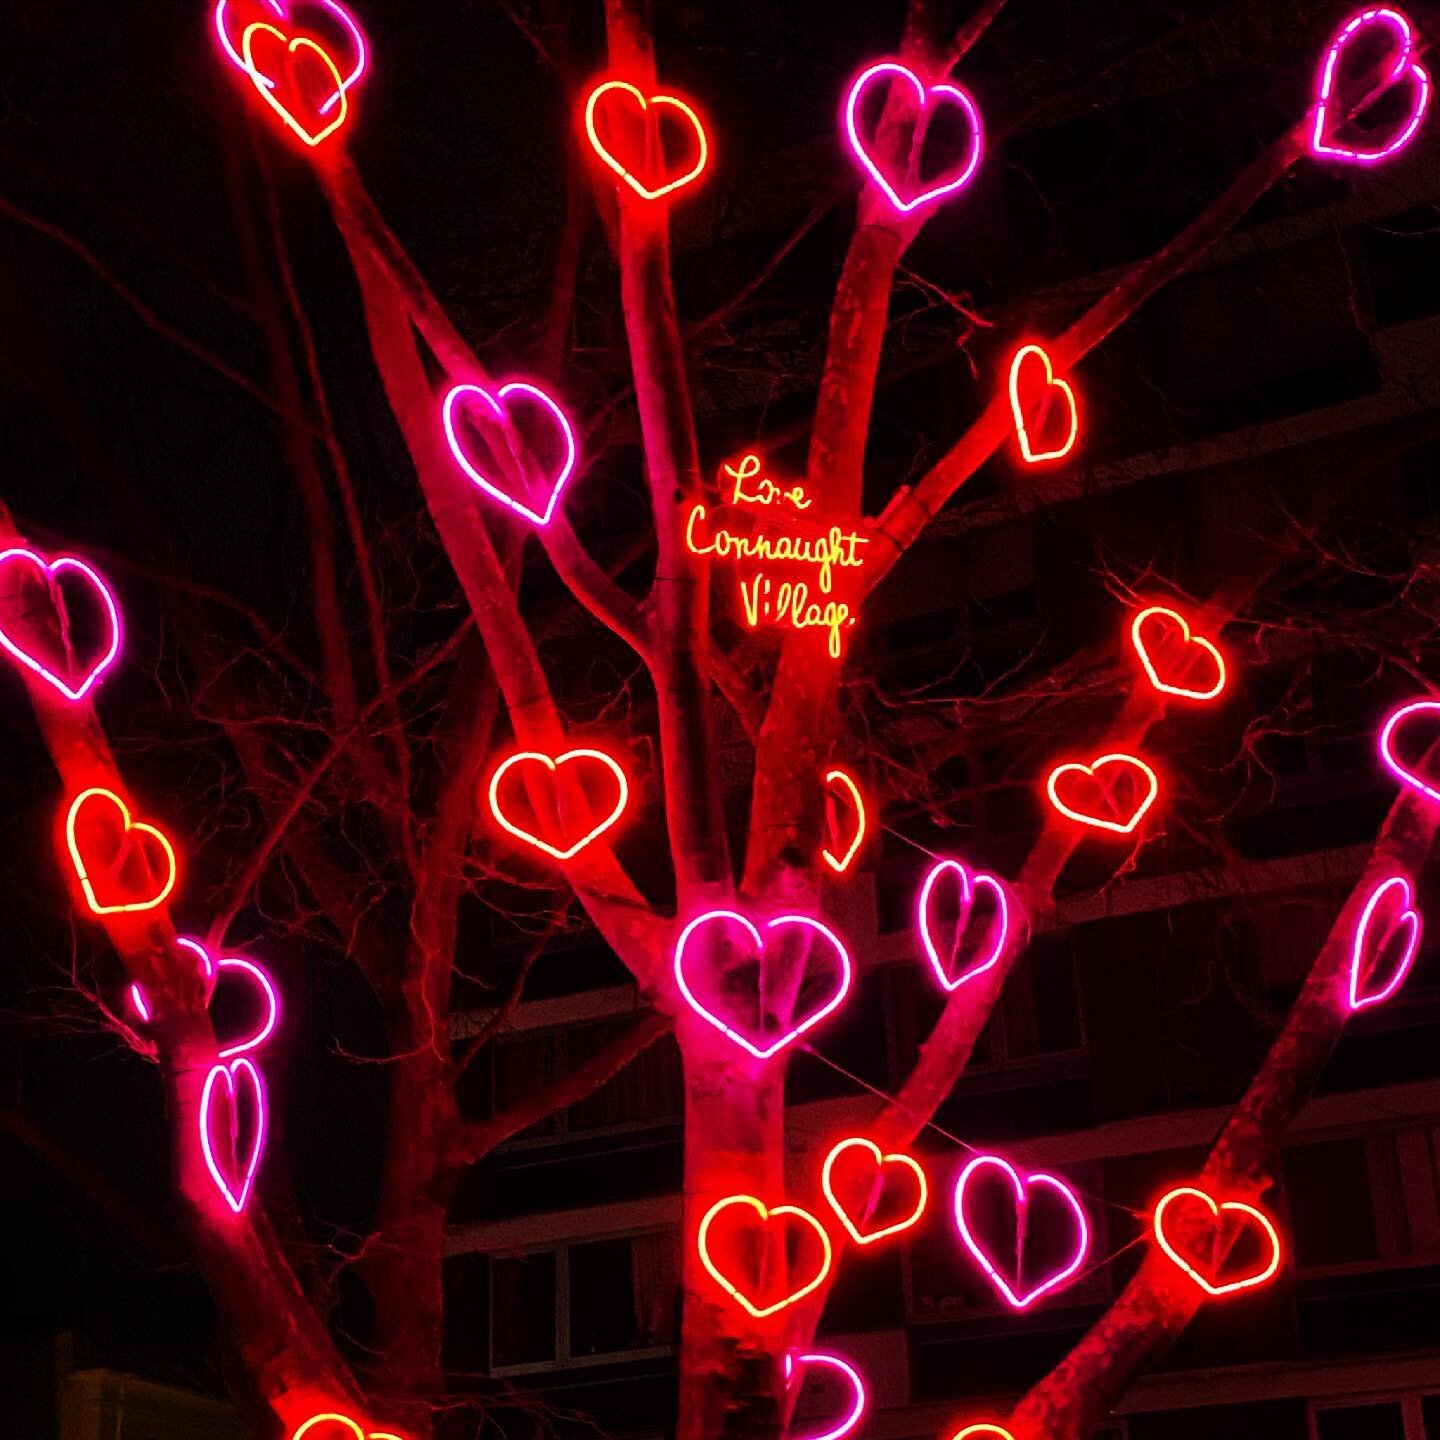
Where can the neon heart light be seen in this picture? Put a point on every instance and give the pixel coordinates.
(828, 1360)
(1170, 619)
(1022, 1186)
(858, 1143)
(236, 966)
(1397, 721)
(611, 90)
(841, 863)
(331, 1417)
(763, 1215)
(1403, 68)
(1233, 1207)
(1408, 920)
(1072, 773)
(90, 871)
(338, 11)
(946, 94)
(982, 1431)
(233, 1082)
(499, 405)
(267, 91)
(570, 757)
(50, 570)
(732, 1031)
(1028, 452)
(1000, 926)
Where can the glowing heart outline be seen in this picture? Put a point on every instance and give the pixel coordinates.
(107, 599)
(956, 94)
(131, 826)
(1395, 719)
(553, 765)
(922, 920)
(766, 1214)
(266, 92)
(335, 8)
(212, 968)
(1115, 757)
(613, 161)
(1021, 1186)
(1230, 1287)
(332, 1417)
(229, 1073)
(881, 1161)
(1188, 637)
(846, 973)
(496, 403)
(1402, 68)
(861, 1398)
(842, 864)
(1410, 918)
(1052, 382)
(983, 1427)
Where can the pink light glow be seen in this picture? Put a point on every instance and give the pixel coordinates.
(496, 403)
(765, 1215)
(1258, 1217)
(1409, 918)
(859, 1397)
(844, 975)
(881, 1161)
(610, 88)
(1137, 638)
(1061, 773)
(236, 1070)
(943, 94)
(569, 757)
(264, 81)
(1021, 1186)
(1387, 754)
(968, 885)
(129, 826)
(1402, 68)
(52, 568)
(1028, 453)
(215, 971)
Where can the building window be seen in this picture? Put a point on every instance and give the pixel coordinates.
(1381, 1421)
(522, 1309)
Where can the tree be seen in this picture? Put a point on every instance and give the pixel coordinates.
(362, 749)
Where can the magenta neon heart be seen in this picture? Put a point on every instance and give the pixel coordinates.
(228, 1090)
(938, 95)
(849, 1377)
(1403, 68)
(1022, 1187)
(71, 687)
(230, 967)
(346, 19)
(1401, 720)
(1377, 926)
(734, 1029)
(1000, 928)
(498, 404)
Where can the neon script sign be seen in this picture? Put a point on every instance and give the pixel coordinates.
(635, 151)
(73, 679)
(1246, 1215)
(1331, 117)
(754, 500)
(750, 1223)
(119, 860)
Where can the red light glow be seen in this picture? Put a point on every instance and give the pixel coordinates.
(580, 758)
(755, 1215)
(650, 161)
(878, 1164)
(103, 876)
(1030, 417)
(1249, 1215)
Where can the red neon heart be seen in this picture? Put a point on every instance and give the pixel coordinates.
(350, 1429)
(745, 1223)
(571, 804)
(1077, 792)
(1388, 916)
(635, 149)
(865, 1172)
(1201, 1212)
(1035, 411)
(37, 636)
(842, 790)
(123, 864)
(1333, 112)
(1180, 655)
(311, 77)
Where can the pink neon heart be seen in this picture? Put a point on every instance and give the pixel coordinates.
(283, 11)
(1023, 1186)
(500, 409)
(230, 967)
(937, 94)
(999, 927)
(228, 1090)
(849, 1377)
(54, 670)
(738, 1029)
(1328, 117)
(1377, 927)
(1405, 719)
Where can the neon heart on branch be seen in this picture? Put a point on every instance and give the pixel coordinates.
(229, 1089)
(98, 814)
(869, 1154)
(342, 20)
(936, 96)
(999, 925)
(1400, 720)
(499, 407)
(353, 1427)
(850, 1377)
(1082, 784)
(983, 1431)
(1012, 1287)
(616, 95)
(292, 49)
(1248, 1215)
(1037, 409)
(570, 757)
(748, 1213)
(56, 670)
(838, 780)
(238, 967)
(1161, 621)
(1391, 902)
(741, 1030)
(1330, 117)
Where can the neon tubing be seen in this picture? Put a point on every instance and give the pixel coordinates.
(645, 192)
(331, 1417)
(766, 1215)
(922, 921)
(1028, 453)
(1409, 918)
(1387, 754)
(570, 852)
(1061, 771)
(1403, 67)
(50, 569)
(130, 825)
(1137, 638)
(859, 1397)
(336, 9)
(300, 42)
(1260, 1218)
(873, 1150)
(840, 864)
(214, 971)
(229, 1074)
